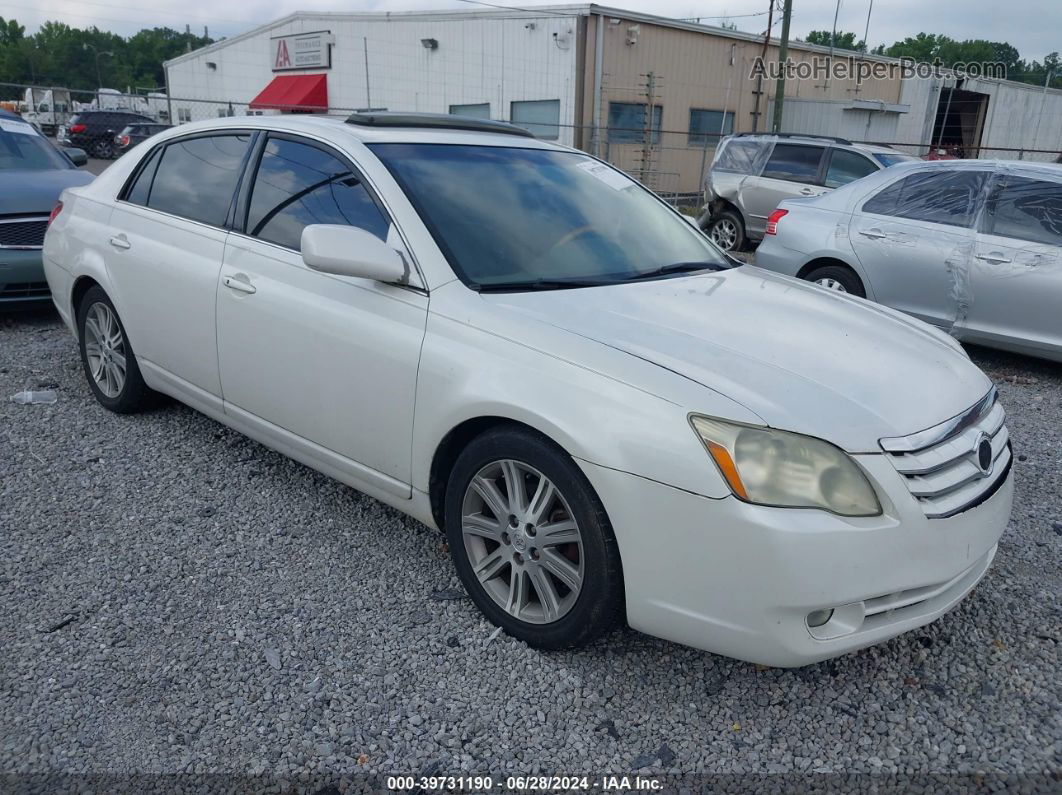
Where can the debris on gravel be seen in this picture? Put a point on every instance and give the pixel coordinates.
(177, 598)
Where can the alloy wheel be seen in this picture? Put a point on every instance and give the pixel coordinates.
(724, 234)
(105, 349)
(522, 541)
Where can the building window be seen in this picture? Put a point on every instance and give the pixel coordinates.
(626, 122)
(184, 114)
(540, 117)
(478, 111)
(706, 124)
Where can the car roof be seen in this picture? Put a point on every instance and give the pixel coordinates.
(335, 127)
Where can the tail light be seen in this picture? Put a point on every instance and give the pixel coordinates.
(77, 128)
(58, 208)
(773, 219)
(121, 140)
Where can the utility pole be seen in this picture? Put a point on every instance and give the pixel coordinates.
(763, 60)
(783, 55)
(647, 133)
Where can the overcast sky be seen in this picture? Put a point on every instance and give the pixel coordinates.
(1033, 26)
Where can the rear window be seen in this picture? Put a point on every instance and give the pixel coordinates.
(197, 177)
(794, 162)
(740, 157)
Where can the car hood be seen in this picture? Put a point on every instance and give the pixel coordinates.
(800, 357)
(36, 191)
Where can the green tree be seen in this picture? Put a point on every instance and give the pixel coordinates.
(841, 40)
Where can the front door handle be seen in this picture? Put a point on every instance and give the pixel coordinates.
(809, 192)
(121, 241)
(239, 285)
(993, 257)
(873, 233)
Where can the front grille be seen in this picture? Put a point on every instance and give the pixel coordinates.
(25, 290)
(941, 466)
(23, 232)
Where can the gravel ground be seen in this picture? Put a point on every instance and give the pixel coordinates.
(177, 598)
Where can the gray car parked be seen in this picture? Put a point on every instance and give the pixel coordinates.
(971, 246)
(752, 172)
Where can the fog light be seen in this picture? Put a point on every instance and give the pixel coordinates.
(816, 618)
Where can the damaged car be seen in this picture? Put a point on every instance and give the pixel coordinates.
(973, 247)
(752, 172)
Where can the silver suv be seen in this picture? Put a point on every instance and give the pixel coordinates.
(752, 172)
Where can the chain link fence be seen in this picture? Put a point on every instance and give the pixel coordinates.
(672, 163)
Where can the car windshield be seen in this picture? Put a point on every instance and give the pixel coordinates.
(517, 218)
(22, 148)
(892, 158)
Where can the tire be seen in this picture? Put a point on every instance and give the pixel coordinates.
(103, 150)
(727, 231)
(837, 277)
(104, 346)
(566, 616)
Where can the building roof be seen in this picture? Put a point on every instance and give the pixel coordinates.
(539, 12)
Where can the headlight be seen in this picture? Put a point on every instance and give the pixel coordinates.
(787, 470)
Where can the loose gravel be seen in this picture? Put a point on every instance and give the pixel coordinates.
(177, 598)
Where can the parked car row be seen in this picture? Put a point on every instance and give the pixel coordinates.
(613, 421)
(33, 173)
(107, 133)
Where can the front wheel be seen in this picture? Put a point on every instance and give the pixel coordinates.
(837, 277)
(531, 541)
(110, 364)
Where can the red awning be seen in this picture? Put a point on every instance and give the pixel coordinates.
(293, 92)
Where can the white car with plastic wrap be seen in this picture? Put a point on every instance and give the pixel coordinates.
(518, 344)
(973, 247)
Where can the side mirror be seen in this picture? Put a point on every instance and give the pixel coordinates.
(349, 251)
(77, 156)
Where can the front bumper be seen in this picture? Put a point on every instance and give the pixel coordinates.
(740, 580)
(22, 281)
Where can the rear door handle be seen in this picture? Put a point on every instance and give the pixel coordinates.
(239, 285)
(873, 232)
(994, 257)
(809, 192)
(121, 241)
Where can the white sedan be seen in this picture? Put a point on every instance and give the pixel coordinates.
(514, 342)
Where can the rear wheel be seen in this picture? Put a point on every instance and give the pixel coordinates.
(110, 364)
(103, 150)
(531, 541)
(837, 277)
(727, 231)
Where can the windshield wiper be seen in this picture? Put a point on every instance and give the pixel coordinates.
(539, 284)
(677, 267)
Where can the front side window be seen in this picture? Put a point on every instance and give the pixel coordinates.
(540, 117)
(297, 185)
(939, 197)
(794, 162)
(708, 126)
(847, 167)
(524, 218)
(197, 177)
(627, 122)
(1025, 209)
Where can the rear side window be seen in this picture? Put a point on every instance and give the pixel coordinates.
(739, 157)
(847, 167)
(794, 162)
(1025, 209)
(197, 177)
(140, 189)
(297, 185)
(939, 197)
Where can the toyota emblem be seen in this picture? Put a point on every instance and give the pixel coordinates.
(983, 452)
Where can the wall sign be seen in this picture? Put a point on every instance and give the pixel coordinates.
(302, 51)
